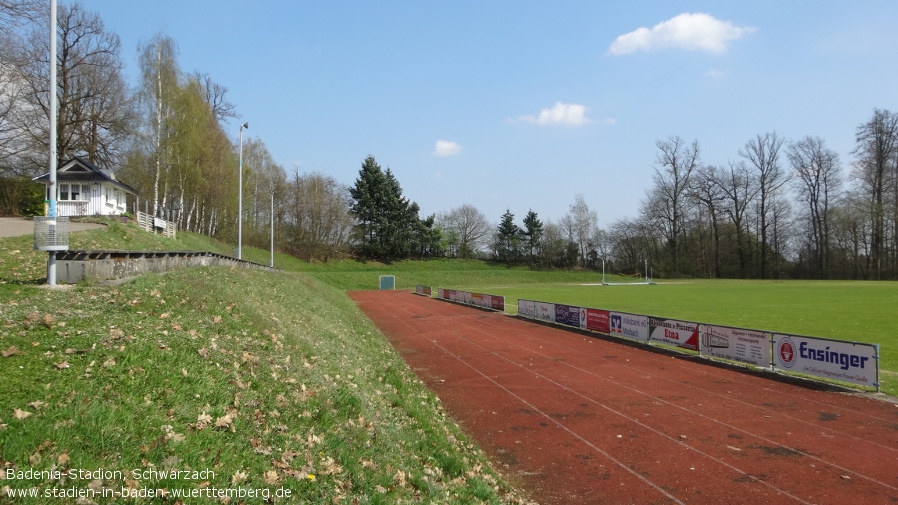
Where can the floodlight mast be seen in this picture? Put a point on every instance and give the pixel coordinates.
(240, 196)
(51, 259)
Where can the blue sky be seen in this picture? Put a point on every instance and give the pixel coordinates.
(523, 105)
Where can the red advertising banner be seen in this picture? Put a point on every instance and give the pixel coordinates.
(595, 320)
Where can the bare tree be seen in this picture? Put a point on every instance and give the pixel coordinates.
(216, 93)
(707, 191)
(763, 154)
(583, 225)
(876, 167)
(15, 13)
(817, 182)
(94, 113)
(318, 220)
(12, 139)
(665, 203)
(739, 191)
(632, 245)
(468, 227)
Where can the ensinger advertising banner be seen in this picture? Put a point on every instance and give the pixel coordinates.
(631, 326)
(673, 332)
(736, 344)
(831, 359)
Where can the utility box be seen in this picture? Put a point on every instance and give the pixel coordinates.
(387, 282)
(51, 233)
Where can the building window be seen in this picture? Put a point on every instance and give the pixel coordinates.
(76, 192)
(63, 191)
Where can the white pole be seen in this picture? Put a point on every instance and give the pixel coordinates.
(51, 261)
(271, 260)
(240, 198)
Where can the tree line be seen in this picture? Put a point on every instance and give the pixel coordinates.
(167, 136)
(779, 208)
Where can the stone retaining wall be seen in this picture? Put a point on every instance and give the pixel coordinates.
(75, 266)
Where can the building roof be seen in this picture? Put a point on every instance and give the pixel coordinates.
(80, 170)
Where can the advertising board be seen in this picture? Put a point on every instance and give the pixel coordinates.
(568, 315)
(545, 311)
(527, 308)
(832, 359)
(595, 320)
(480, 300)
(736, 344)
(673, 332)
(627, 325)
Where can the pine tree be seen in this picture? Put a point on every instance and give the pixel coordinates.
(387, 221)
(369, 201)
(533, 232)
(509, 238)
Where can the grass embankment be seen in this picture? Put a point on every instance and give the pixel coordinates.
(259, 382)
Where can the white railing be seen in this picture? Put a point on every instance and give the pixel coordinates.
(158, 225)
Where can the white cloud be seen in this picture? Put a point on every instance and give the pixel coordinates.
(446, 148)
(562, 113)
(693, 32)
(716, 73)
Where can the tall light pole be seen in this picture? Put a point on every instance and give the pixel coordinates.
(240, 197)
(51, 260)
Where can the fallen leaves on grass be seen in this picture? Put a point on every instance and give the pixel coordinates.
(202, 421)
(11, 351)
(271, 477)
(20, 414)
(225, 422)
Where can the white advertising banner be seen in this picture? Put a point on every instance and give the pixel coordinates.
(545, 311)
(831, 359)
(736, 344)
(527, 308)
(673, 332)
(629, 326)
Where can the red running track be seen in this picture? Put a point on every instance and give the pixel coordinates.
(576, 419)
